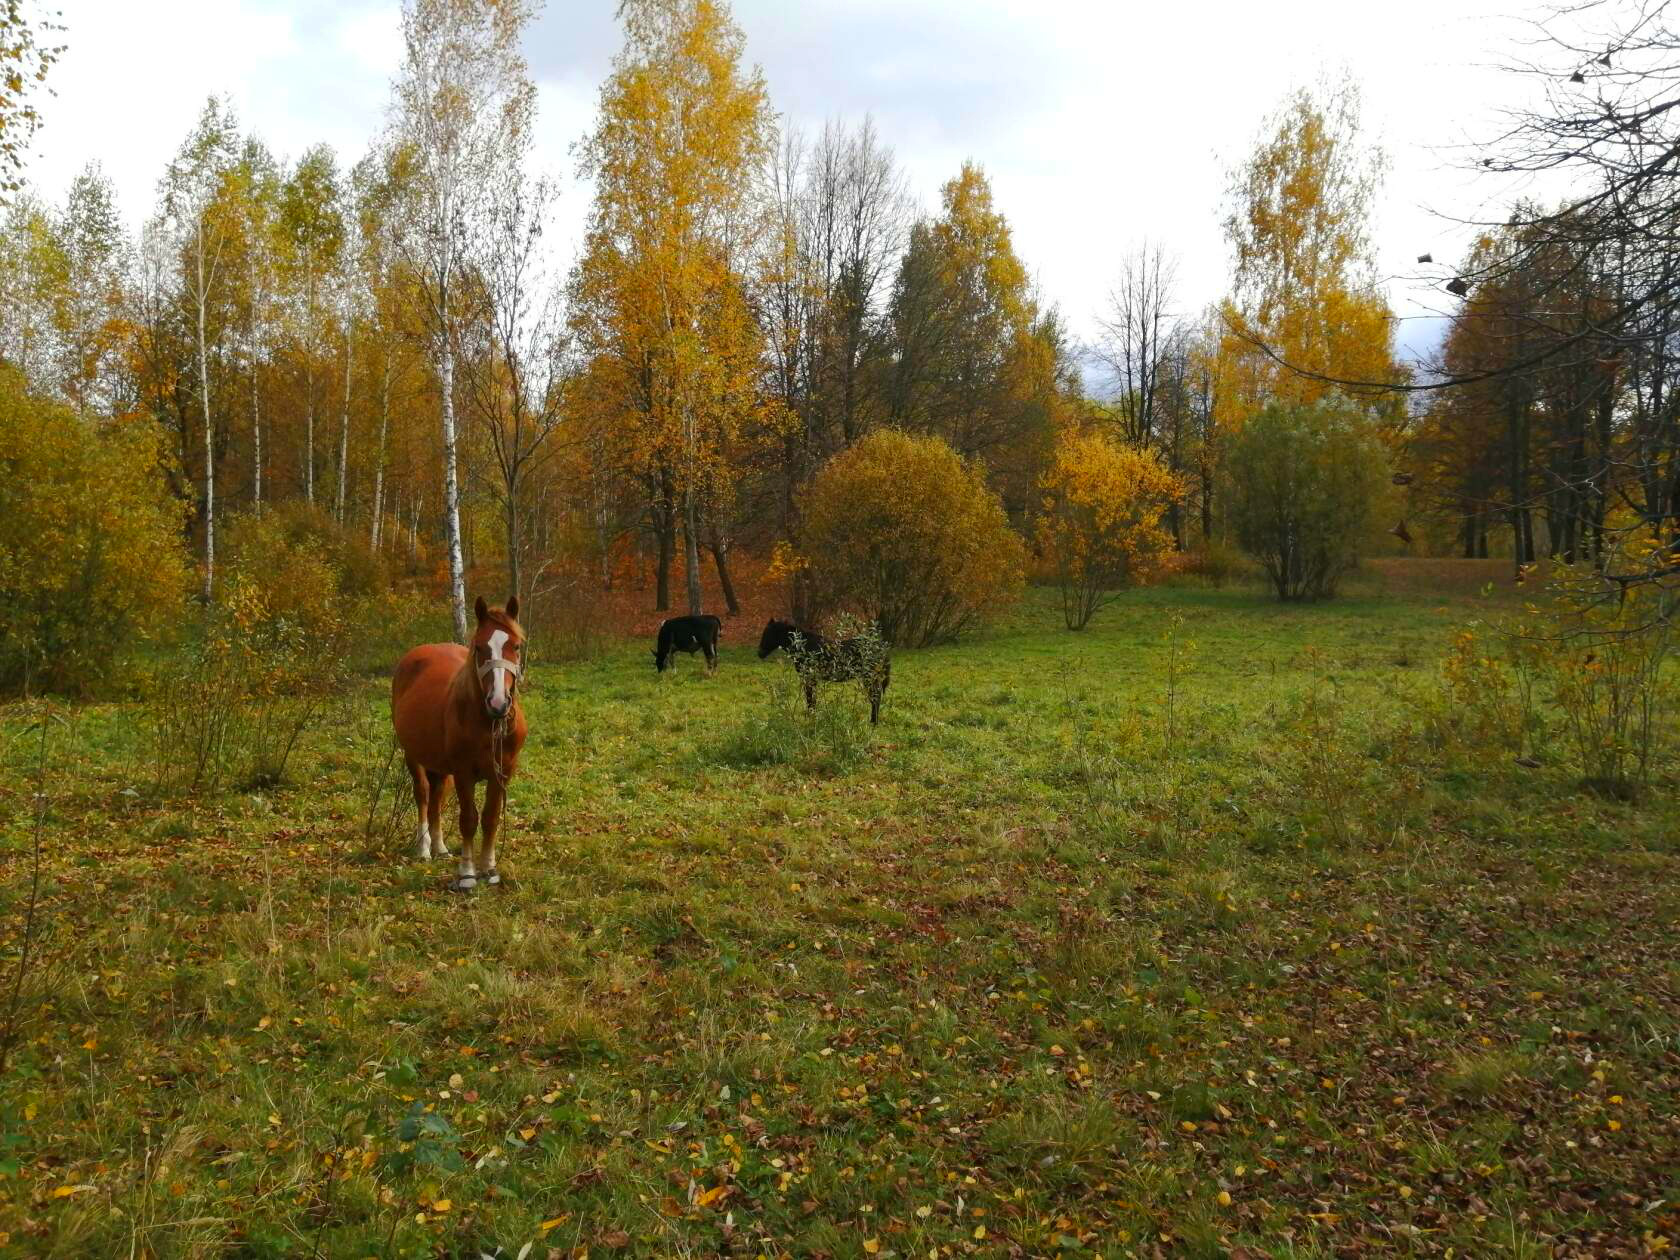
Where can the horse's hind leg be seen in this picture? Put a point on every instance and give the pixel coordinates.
(422, 805)
(434, 813)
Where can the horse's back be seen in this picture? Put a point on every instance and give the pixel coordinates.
(419, 693)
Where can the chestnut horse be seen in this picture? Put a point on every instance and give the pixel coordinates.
(456, 710)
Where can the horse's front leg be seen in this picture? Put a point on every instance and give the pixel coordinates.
(495, 796)
(466, 876)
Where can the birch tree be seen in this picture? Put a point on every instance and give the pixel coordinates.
(514, 378)
(258, 178)
(191, 190)
(314, 231)
(462, 101)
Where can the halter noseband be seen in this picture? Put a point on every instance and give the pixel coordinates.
(491, 666)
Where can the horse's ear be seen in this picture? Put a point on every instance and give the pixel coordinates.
(480, 609)
(513, 606)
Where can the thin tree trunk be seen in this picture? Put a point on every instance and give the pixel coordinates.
(513, 534)
(452, 489)
(691, 553)
(256, 442)
(379, 462)
(720, 557)
(344, 432)
(662, 567)
(309, 430)
(209, 430)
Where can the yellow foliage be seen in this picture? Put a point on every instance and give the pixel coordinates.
(91, 562)
(902, 530)
(659, 302)
(1100, 522)
(1304, 286)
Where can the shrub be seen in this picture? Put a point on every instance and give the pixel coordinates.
(91, 561)
(1214, 562)
(263, 547)
(567, 618)
(901, 530)
(1100, 523)
(1598, 651)
(830, 739)
(1307, 485)
(268, 661)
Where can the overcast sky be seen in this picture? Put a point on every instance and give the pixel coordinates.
(1100, 123)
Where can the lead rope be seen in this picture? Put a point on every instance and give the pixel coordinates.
(498, 741)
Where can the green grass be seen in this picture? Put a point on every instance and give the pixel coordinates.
(1028, 969)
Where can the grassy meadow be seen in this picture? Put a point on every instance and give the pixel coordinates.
(1172, 937)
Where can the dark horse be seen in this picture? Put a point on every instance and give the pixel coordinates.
(688, 634)
(817, 660)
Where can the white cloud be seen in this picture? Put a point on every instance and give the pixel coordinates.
(1099, 123)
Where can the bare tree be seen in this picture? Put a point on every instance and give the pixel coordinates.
(1136, 333)
(462, 101)
(841, 214)
(515, 345)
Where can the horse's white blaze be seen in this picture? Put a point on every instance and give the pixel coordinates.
(498, 677)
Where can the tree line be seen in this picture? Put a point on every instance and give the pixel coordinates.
(390, 342)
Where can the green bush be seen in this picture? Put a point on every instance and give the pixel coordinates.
(91, 556)
(1308, 489)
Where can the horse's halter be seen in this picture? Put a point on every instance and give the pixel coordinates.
(489, 667)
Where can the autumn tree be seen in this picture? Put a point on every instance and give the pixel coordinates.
(33, 272)
(1304, 304)
(378, 187)
(91, 564)
(463, 100)
(26, 54)
(255, 189)
(1101, 503)
(92, 328)
(973, 357)
(659, 298)
(313, 231)
(192, 191)
(901, 529)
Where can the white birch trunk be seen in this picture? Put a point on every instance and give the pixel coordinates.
(379, 462)
(344, 433)
(209, 429)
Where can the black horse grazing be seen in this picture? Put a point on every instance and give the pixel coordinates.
(688, 634)
(817, 660)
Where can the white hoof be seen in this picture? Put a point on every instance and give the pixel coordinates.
(439, 853)
(463, 883)
(492, 876)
